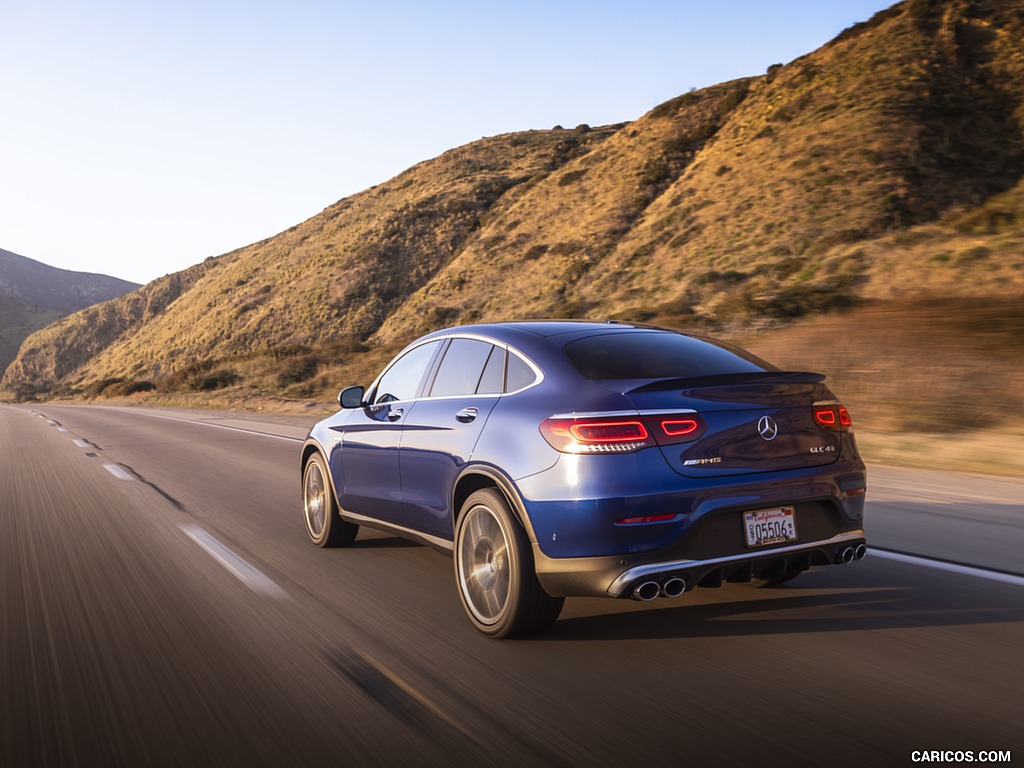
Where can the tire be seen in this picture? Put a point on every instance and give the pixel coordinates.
(320, 509)
(494, 570)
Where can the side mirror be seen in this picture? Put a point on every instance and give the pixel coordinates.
(351, 397)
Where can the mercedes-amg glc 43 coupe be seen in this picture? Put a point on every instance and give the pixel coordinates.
(561, 458)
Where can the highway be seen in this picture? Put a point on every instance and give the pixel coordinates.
(161, 606)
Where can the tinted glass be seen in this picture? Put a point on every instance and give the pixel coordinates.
(402, 380)
(520, 374)
(461, 368)
(657, 355)
(493, 380)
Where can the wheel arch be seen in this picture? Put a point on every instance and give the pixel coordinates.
(309, 448)
(477, 477)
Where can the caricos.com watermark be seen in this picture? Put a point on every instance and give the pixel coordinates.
(960, 756)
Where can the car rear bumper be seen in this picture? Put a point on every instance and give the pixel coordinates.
(619, 576)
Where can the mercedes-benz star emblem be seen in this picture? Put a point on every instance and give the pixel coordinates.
(767, 428)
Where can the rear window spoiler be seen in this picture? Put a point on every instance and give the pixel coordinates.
(727, 379)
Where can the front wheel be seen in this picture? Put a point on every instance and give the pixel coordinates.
(323, 523)
(494, 570)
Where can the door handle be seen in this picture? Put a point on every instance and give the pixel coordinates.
(466, 415)
(395, 414)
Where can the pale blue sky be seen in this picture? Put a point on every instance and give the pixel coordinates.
(138, 138)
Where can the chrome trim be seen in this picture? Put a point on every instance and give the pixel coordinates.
(767, 428)
(665, 411)
(475, 337)
(373, 522)
(615, 414)
(617, 587)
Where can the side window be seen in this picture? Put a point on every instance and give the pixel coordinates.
(461, 368)
(520, 374)
(402, 380)
(493, 380)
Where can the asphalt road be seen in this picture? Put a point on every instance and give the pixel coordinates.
(161, 605)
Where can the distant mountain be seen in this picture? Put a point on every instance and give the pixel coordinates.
(33, 295)
(60, 290)
(886, 164)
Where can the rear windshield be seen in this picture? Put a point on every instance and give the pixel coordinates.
(658, 355)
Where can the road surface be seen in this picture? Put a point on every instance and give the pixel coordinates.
(162, 606)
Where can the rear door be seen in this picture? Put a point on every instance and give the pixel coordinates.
(442, 430)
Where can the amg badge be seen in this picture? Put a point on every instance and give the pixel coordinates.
(701, 462)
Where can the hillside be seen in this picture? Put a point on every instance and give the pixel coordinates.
(33, 295)
(888, 164)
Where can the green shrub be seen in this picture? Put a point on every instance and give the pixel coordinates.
(128, 387)
(974, 254)
(211, 381)
(295, 370)
(98, 388)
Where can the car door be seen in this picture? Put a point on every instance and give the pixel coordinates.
(442, 430)
(372, 436)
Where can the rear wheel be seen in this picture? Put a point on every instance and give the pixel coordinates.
(323, 523)
(494, 570)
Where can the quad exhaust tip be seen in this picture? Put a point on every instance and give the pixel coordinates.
(849, 554)
(673, 587)
(646, 591)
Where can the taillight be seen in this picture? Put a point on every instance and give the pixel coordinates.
(832, 416)
(601, 435)
(619, 434)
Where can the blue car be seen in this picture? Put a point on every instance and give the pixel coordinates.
(562, 458)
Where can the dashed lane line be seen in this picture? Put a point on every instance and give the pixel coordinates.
(117, 472)
(239, 568)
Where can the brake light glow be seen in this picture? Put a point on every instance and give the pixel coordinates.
(610, 432)
(826, 417)
(615, 433)
(832, 416)
(844, 417)
(595, 435)
(679, 427)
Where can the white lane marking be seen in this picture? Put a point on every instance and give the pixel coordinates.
(224, 426)
(117, 472)
(941, 565)
(82, 443)
(247, 574)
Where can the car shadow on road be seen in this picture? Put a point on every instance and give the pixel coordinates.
(789, 611)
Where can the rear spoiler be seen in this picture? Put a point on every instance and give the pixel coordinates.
(727, 379)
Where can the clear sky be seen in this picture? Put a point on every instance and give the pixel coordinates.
(137, 138)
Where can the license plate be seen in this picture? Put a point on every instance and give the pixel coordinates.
(769, 526)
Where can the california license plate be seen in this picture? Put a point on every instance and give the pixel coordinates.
(769, 526)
